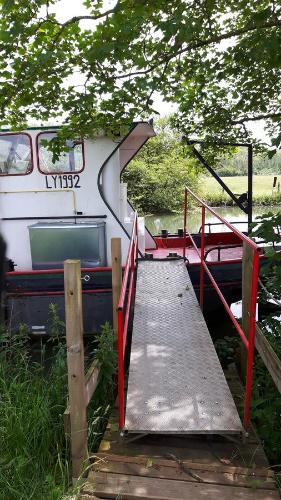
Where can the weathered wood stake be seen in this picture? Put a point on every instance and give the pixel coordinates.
(116, 258)
(75, 364)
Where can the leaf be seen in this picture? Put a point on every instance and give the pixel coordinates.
(149, 463)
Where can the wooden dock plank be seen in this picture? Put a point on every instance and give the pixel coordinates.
(184, 471)
(154, 466)
(266, 472)
(128, 487)
(198, 450)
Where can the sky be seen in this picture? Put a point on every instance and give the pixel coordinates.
(66, 9)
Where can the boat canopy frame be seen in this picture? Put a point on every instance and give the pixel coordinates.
(245, 200)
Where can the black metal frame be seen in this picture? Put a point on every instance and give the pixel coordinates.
(56, 217)
(244, 197)
(219, 248)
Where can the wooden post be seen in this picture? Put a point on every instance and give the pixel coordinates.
(116, 259)
(75, 364)
(269, 357)
(247, 271)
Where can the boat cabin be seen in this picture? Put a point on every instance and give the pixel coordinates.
(67, 209)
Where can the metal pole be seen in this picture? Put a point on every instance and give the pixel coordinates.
(202, 260)
(184, 223)
(250, 185)
(121, 369)
(252, 332)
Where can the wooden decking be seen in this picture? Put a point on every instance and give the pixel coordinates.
(176, 467)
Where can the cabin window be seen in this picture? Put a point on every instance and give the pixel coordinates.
(70, 161)
(15, 154)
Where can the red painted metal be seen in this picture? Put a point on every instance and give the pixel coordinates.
(124, 307)
(56, 271)
(252, 331)
(202, 260)
(121, 369)
(184, 223)
(240, 235)
(250, 341)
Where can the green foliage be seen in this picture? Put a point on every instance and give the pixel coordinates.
(266, 401)
(57, 327)
(105, 354)
(236, 163)
(218, 61)
(100, 406)
(268, 228)
(227, 348)
(157, 177)
(33, 449)
(34, 461)
(266, 411)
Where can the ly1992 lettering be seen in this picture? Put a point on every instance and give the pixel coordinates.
(62, 181)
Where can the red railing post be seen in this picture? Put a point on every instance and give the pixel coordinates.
(251, 345)
(123, 316)
(121, 369)
(184, 223)
(202, 253)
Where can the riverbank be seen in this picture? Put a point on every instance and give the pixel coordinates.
(172, 222)
(224, 200)
(264, 194)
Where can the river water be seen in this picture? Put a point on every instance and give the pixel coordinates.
(171, 222)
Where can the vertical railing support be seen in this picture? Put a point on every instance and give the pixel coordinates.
(124, 305)
(251, 290)
(247, 271)
(184, 223)
(121, 369)
(75, 365)
(116, 259)
(202, 253)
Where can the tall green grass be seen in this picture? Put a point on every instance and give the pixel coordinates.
(34, 457)
(34, 453)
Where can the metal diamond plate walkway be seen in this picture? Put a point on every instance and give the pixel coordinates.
(176, 383)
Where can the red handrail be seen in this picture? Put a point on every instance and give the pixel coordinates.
(249, 342)
(124, 307)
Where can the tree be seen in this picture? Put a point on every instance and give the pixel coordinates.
(158, 175)
(219, 60)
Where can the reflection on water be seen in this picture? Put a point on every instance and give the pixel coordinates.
(236, 308)
(155, 223)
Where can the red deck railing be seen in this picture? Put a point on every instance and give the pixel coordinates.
(124, 306)
(249, 342)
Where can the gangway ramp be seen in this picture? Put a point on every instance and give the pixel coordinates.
(176, 384)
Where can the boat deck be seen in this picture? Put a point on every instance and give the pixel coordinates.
(226, 254)
(176, 383)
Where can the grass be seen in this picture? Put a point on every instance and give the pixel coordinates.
(34, 461)
(34, 452)
(263, 192)
(262, 184)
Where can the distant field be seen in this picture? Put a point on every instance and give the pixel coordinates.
(262, 185)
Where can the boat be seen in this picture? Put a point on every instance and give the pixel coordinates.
(72, 208)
